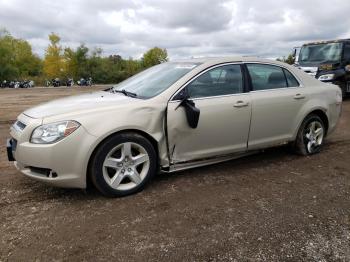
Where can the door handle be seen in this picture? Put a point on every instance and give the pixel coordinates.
(299, 96)
(241, 104)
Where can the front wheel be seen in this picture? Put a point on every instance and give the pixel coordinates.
(123, 165)
(310, 136)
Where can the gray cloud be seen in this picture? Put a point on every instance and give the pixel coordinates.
(186, 28)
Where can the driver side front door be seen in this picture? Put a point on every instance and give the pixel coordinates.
(225, 111)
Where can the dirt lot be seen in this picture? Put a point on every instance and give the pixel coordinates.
(273, 206)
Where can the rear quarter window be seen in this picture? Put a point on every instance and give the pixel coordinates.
(291, 80)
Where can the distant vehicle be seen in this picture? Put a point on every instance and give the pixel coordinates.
(328, 61)
(12, 84)
(85, 82)
(56, 82)
(69, 82)
(16, 84)
(170, 117)
(4, 84)
(26, 84)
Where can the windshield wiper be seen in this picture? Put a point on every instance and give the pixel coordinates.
(126, 93)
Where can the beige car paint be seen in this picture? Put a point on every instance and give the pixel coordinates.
(223, 128)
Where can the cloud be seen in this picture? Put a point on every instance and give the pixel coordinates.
(186, 28)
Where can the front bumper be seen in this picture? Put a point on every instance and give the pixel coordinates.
(11, 147)
(62, 164)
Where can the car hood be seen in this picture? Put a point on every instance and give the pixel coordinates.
(96, 100)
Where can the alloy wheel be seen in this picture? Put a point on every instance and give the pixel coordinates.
(126, 166)
(314, 134)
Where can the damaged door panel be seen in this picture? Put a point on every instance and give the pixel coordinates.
(222, 128)
(215, 119)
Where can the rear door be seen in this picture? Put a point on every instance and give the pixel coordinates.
(224, 120)
(277, 97)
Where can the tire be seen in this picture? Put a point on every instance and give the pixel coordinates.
(123, 165)
(310, 136)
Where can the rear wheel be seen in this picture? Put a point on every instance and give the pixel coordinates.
(123, 165)
(310, 136)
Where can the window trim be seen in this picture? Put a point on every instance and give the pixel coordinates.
(345, 45)
(244, 82)
(270, 89)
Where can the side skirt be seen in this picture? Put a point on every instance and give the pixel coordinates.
(204, 162)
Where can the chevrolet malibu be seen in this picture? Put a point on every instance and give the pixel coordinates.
(171, 117)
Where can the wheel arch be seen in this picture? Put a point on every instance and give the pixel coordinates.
(150, 138)
(321, 113)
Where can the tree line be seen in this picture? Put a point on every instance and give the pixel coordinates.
(18, 61)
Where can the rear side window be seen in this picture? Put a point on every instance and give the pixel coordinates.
(291, 81)
(266, 77)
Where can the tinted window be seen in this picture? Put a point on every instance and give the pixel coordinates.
(266, 76)
(347, 52)
(223, 80)
(292, 82)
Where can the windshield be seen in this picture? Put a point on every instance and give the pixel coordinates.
(322, 53)
(155, 80)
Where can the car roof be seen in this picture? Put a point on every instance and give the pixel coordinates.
(328, 42)
(228, 59)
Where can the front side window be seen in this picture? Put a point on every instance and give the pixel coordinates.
(223, 80)
(266, 77)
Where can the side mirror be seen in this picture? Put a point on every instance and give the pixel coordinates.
(192, 112)
(294, 54)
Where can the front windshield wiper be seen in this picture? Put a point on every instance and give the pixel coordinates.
(126, 93)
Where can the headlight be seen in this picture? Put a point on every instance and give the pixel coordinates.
(326, 77)
(51, 133)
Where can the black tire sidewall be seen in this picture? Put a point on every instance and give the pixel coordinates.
(96, 167)
(301, 143)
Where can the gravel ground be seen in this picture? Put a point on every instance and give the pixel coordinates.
(272, 206)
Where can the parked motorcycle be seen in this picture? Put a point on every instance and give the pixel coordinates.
(26, 84)
(69, 82)
(4, 84)
(84, 82)
(56, 82)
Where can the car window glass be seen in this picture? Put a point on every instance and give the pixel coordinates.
(266, 76)
(347, 52)
(223, 80)
(292, 82)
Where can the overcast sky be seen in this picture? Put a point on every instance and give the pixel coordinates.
(186, 28)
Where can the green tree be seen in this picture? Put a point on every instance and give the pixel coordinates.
(54, 61)
(17, 60)
(155, 56)
(289, 60)
(71, 63)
